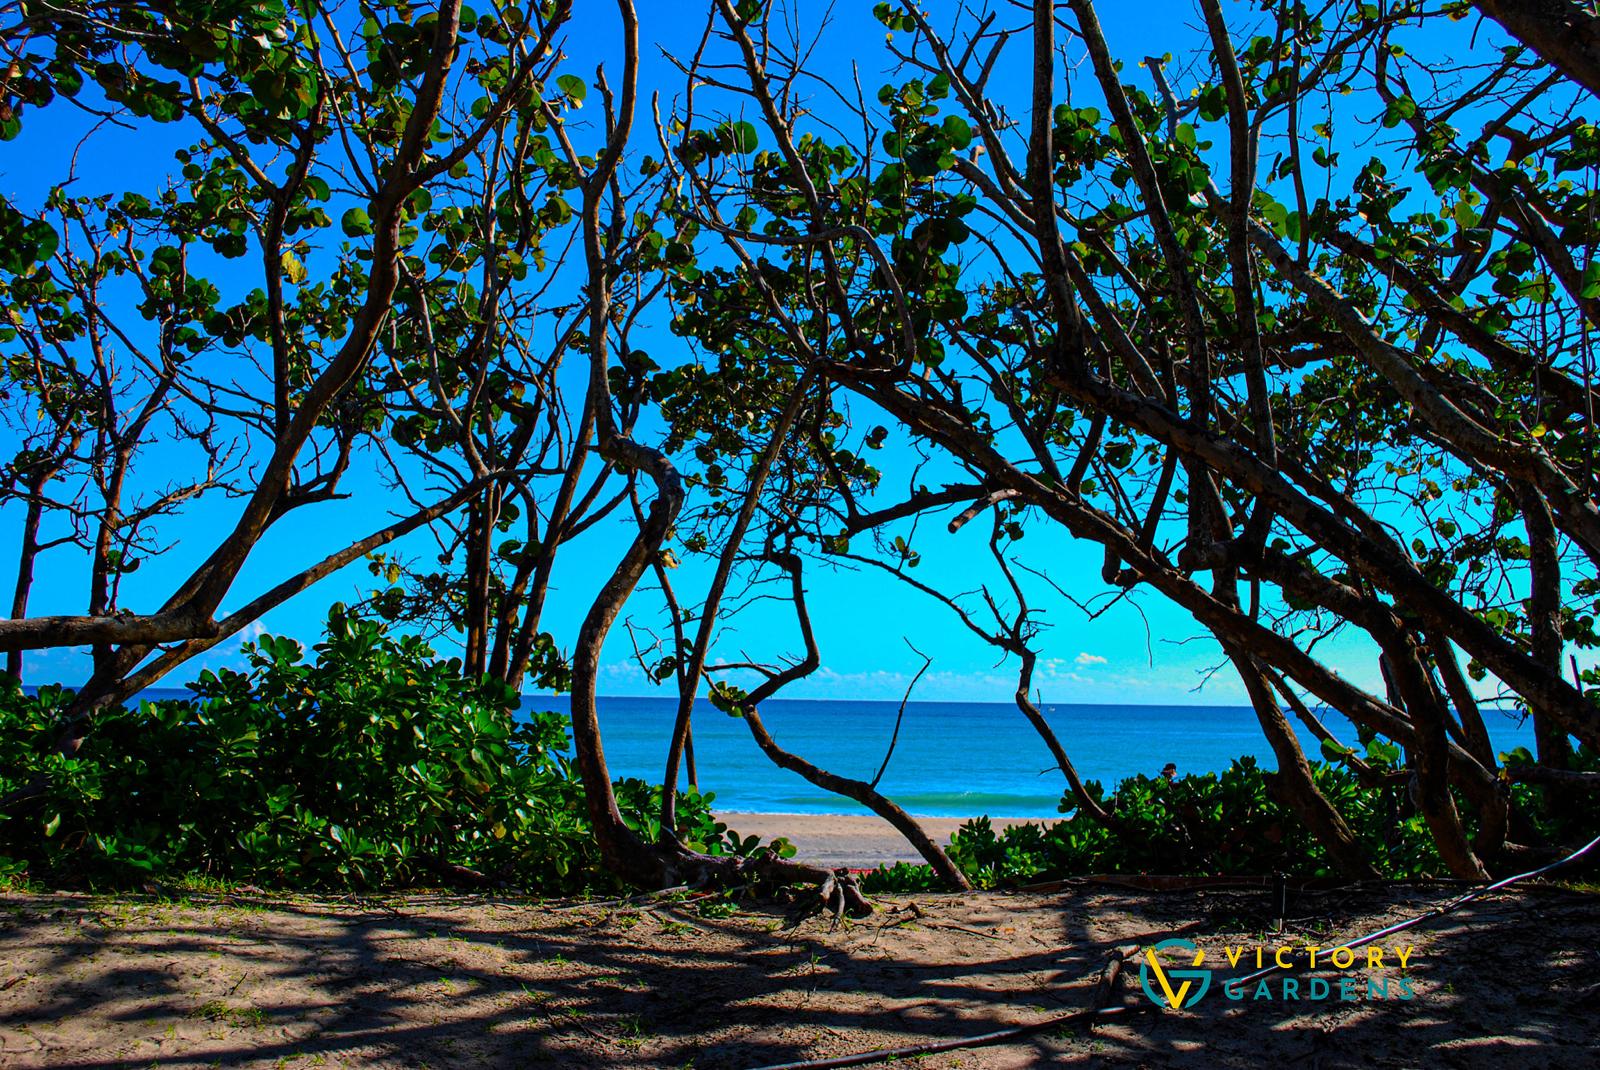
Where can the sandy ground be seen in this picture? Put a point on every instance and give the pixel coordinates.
(450, 981)
(857, 840)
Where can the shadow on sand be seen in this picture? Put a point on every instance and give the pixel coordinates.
(446, 981)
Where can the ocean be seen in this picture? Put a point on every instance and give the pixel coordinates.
(953, 759)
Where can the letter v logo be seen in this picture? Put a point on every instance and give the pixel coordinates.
(1180, 997)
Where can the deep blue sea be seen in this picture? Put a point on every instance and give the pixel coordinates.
(953, 759)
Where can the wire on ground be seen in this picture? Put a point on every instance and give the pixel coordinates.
(1097, 1015)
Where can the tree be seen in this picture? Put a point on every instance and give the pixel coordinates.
(407, 290)
(1169, 313)
(1289, 413)
(413, 147)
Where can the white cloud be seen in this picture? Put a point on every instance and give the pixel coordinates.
(1086, 658)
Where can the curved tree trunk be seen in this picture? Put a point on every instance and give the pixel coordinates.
(859, 790)
(1294, 781)
(1493, 801)
(1087, 803)
(666, 863)
(1544, 620)
(867, 796)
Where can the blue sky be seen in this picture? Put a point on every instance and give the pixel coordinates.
(1141, 651)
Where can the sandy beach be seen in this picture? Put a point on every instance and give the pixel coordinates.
(299, 983)
(855, 840)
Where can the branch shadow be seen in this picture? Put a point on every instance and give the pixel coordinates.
(452, 980)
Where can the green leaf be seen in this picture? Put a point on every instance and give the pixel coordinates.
(165, 261)
(356, 223)
(1383, 753)
(744, 137)
(957, 131)
(573, 87)
(1333, 752)
(1399, 110)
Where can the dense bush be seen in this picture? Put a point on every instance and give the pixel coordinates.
(375, 765)
(1231, 823)
(378, 765)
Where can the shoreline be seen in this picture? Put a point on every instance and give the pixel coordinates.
(858, 841)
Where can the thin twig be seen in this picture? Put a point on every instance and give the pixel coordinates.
(900, 716)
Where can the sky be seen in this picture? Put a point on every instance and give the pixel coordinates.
(1140, 651)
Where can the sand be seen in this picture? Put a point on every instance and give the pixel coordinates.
(405, 982)
(859, 841)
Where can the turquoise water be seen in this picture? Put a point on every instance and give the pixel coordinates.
(953, 759)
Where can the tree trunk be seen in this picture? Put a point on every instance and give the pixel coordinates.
(667, 863)
(867, 796)
(29, 553)
(1427, 755)
(1087, 804)
(1564, 33)
(1544, 620)
(480, 554)
(1294, 780)
(1493, 801)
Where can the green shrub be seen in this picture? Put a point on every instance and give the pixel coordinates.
(1564, 814)
(378, 765)
(375, 765)
(1199, 824)
(1232, 823)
